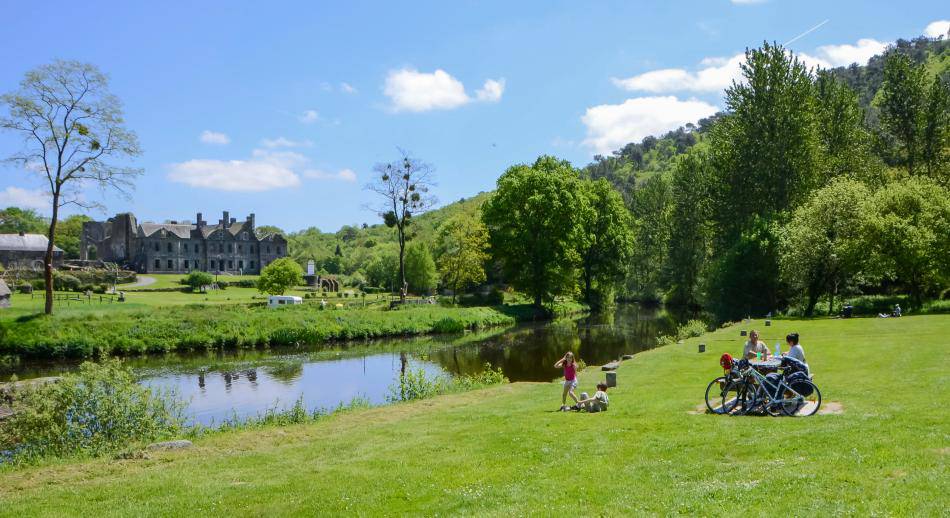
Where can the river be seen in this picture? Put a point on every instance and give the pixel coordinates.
(221, 385)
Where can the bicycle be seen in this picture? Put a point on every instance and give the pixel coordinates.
(791, 395)
(731, 374)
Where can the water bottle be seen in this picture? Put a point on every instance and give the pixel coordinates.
(778, 350)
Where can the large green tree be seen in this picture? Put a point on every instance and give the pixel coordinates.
(462, 252)
(903, 104)
(72, 128)
(14, 220)
(383, 270)
(688, 243)
(844, 141)
(534, 225)
(650, 207)
(907, 234)
(820, 248)
(279, 276)
(421, 274)
(766, 158)
(607, 242)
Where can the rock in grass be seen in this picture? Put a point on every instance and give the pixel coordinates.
(627, 357)
(170, 445)
(610, 366)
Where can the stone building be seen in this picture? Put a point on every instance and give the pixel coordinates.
(26, 251)
(181, 246)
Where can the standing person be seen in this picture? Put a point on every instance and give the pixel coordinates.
(570, 378)
(754, 345)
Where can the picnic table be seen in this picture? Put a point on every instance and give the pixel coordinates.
(766, 365)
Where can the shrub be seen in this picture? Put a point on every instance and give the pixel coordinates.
(100, 289)
(448, 325)
(96, 410)
(198, 279)
(65, 282)
(691, 329)
(414, 384)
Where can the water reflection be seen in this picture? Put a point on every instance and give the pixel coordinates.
(222, 384)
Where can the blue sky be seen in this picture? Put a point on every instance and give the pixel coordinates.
(282, 108)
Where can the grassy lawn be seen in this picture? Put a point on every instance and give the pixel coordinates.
(505, 451)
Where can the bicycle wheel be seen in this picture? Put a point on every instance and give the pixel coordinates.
(738, 397)
(714, 394)
(805, 402)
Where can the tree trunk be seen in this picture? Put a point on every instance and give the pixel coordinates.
(587, 283)
(48, 259)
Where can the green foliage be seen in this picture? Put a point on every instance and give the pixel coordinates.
(462, 252)
(534, 224)
(279, 276)
(607, 241)
(907, 235)
(69, 233)
(821, 250)
(416, 384)
(420, 268)
(383, 271)
(651, 215)
(903, 107)
(688, 243)
(96, 410)
(197, 280)
(196, 327)
(14, 220)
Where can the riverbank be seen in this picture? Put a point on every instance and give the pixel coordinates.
(506, 451)
(197, 327)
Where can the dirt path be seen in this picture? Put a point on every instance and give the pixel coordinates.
(141, 282)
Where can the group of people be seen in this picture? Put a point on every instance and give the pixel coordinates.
(755, 348)
(586, 403)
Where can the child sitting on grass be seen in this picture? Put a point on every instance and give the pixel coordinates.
(598, 403)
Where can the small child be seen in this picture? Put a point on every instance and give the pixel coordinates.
(570, 378)
(598, 403)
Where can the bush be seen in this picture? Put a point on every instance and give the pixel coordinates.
(100, 289)
(197, 280)
(691, 329)
(448, 325)
(97, 410)
(415, 384)
(65, 282)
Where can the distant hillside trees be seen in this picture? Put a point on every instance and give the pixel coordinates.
(421, 274)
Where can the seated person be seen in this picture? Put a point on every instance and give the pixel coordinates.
(897, 310)
(598, 403)
(753, 346)
(795, 349)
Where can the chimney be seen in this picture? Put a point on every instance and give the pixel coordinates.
(199, 223)
(250, 219)
(225, 219)
(233, 221)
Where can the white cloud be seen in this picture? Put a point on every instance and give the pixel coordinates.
(937, 29)
(267, 169)
(844, 55)
(347, 88)
(25, 199)
(414, 91)
(214, 137)
(492, 90)
(715, 75)
(309, 117)
(284, 142)
(610, 126)
(346, 175)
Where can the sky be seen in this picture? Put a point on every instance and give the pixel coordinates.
(282, 108)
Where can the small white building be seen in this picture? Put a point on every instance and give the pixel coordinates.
(276, 301)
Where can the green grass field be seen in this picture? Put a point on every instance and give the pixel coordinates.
(506, 451)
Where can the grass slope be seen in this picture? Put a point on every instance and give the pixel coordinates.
(504, 451)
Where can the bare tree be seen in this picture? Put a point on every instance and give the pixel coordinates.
(71, 126)
(404, 186)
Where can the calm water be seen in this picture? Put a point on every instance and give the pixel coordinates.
(221, 385)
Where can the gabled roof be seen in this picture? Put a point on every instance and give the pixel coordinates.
(26, 243)
(182, 231)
